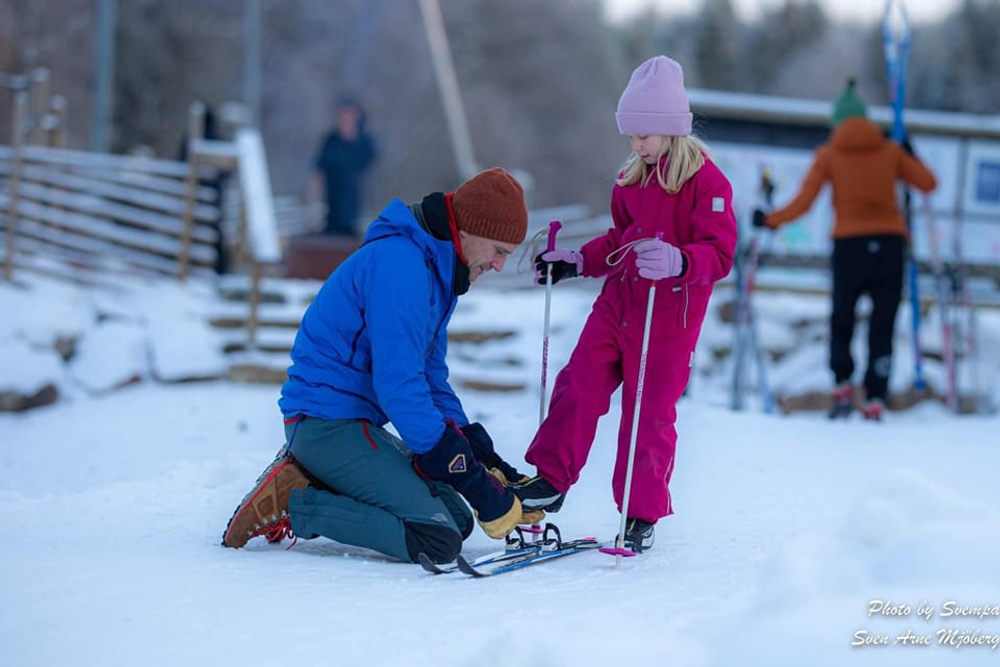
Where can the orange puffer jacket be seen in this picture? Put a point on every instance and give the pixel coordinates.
(863, 168)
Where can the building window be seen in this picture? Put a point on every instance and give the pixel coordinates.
(988, 182)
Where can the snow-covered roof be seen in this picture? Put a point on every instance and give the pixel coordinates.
(796, 111)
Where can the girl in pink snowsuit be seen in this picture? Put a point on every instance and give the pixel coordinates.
(673, 223)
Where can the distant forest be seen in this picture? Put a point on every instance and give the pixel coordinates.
(539, 80)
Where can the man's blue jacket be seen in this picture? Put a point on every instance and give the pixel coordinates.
(372, 343)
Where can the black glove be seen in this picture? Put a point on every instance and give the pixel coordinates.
(482, 448)
(759, 219)
(562, 264)
(907, 146)
(451, 461)
(904, 143)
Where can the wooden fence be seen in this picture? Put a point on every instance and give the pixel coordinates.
(104, 219)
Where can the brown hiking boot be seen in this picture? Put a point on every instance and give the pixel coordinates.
(265, 508)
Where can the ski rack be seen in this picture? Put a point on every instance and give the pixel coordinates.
(746, 341)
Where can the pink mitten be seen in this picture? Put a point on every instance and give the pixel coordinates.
(658, 259)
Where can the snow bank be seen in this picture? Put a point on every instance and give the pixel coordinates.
(910, 578)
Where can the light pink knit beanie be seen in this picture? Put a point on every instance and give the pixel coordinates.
(655, 102)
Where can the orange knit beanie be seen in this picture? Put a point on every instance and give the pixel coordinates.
(491, 205)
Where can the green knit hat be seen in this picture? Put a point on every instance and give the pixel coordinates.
(848, 105)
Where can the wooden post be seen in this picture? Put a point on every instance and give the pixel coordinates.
(196, 130)
(40, 91)
(254, 297)
(451, 96)
(17, 137)
(242, 233)
(54, 123)
(56, 127)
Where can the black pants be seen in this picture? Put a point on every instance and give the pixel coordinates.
(872, 264)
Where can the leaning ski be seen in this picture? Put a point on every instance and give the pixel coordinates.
(432, 567)
(745, 342)
(509, 565)
(896, 47)
(489, 559)
(520, 551)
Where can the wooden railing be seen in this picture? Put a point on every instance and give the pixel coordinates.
(91, 217)
(258, 244)
(102, 214)
(103, 219)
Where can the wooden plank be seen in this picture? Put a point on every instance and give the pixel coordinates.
(44, 266)
(265, 340)
(20, 107)
(96, 252)
(76, 262)
(134, 164)
(187, 220)
(253, 318)
(117, 191)
(73, 263)
(98, 208)
(221, 154)
(292, 217)
(95, 168)
(270, 313)
(77, 224)
(144, 182)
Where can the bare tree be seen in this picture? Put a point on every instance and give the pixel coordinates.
(168, 56)
(779, 35)
(967, 79)
(540, 106)
(718, 43)
(56, 35)
(540, 93)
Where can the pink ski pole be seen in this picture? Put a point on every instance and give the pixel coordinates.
(554, 227)
(619, 549)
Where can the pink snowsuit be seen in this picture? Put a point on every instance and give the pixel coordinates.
(699, 220)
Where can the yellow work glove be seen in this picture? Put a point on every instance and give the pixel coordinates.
(527, 516)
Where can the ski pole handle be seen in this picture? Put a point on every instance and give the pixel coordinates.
(767, 188)
(554, 227)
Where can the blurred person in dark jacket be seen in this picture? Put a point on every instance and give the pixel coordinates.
(345, 156)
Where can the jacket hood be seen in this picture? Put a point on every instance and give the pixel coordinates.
(396, 219)
(428, 229)
(857, 134)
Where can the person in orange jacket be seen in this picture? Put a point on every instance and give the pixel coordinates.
(869, 239)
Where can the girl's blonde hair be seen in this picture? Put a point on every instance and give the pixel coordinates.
(686, 156)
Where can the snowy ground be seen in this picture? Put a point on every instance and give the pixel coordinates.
(788, 531)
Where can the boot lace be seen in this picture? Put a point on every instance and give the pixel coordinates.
(279, 531)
